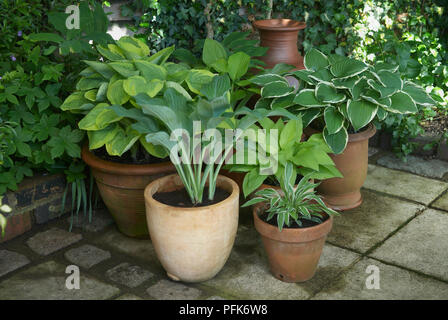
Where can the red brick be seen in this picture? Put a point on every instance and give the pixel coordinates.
(16, 225)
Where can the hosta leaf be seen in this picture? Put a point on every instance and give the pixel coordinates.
(217, 87)
(418, 94)
(291, 133)
(328, 94)
(315, 60)
(348, 68)
(126, 69)
(334, 120)
(213, 51)
(348, 83)
(99, 138)
(381, 114)
(304, 75)
(374, 97)
(337, 141)
(179, 89)
(237, 65)
(283, 102)
(321, 75)
(102, 68)
(383, 91)
(116, 93)
(402, 103)
(390, 80)
(197, 78)
(151, 70)
(360, 113)
(264, 79)
(307, 98)
(276, 89)
(359, 86)
(309, 115)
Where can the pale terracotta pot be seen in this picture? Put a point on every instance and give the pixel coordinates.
(192, 244)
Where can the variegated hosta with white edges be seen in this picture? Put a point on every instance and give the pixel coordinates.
(344, 94)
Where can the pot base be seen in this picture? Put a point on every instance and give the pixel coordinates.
(343, 202)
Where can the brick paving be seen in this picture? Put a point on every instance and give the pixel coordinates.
(400, 229)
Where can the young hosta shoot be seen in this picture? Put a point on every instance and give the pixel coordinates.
(292, 203)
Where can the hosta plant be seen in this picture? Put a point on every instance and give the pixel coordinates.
(292, 203)
(345, 95)
(281, 145)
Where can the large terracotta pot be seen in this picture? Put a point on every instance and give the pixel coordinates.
(293, 253)
(280, 36)
(121, 187)
(345, 193)
(192, 244)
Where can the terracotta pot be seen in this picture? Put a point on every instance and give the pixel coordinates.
(293, 253)
(121, 187)
(345, 193)
(280, 36)
(192, 244)
(238, 177)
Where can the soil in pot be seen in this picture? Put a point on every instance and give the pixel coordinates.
(181, 198)
(305, 223)
(141, 158)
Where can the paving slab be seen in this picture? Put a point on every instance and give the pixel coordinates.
(394, 283)
(10, 261)
(47, 281)
(373, 151)
(128, 296)
(141, 249)
(86, 255)
(247, 276)
(442, 202)
(403, 184)
(170, 290)
(432, 168)
(378, 216)
(421, 245)
(215, 298)
(128, 275)
(100, 220)
(47, 242)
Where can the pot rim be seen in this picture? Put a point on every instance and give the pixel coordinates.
(279, 24)
(123, 168)
(291, 235)
(221, 178)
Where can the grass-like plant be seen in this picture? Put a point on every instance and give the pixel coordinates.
(292, 203)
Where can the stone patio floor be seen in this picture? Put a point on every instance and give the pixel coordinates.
(401, 228)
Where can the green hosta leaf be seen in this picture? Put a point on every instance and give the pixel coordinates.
(348, 83)
(322, 75)
(99, 138)
(122, 142)
(383, 91)
(390, 80)
(309, 115)
(116, 93)
(276, 89)
(264, 79)
(108, 54)
(307, 98)
(76, 102)
(348, 68)
(304, 75)
(106, 117)
(283, 102)
(176, 72)
(381, 114)
(418, 94)
(133, 48)
(360, 113)
(315, 60)
(334, 120)
(252, 180)
(151, 70)
(179, 88)
(386, 66)
(89, 121)
(88, 83)
(328, 94)
(126, 69)
(238, 65)
(220, 65)
(162, 56)
(135, 85)
(374, 97)
(359, 86)
(212, 52)
(158, 108)
(402, 103)
(102, 92)
(197, 78)
(102, 68)
(337, 141)
(217, 87)
(91, 95)
(291, 133)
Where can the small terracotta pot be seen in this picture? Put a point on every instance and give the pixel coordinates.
(345, 193)
(293, 253)
(121, 187)
(280, 36)
(192, 244)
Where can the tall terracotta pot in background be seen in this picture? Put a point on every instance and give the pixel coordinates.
(280, 36)
(122, 186)
(344, 193)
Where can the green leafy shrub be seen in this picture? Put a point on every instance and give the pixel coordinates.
(292, 203)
